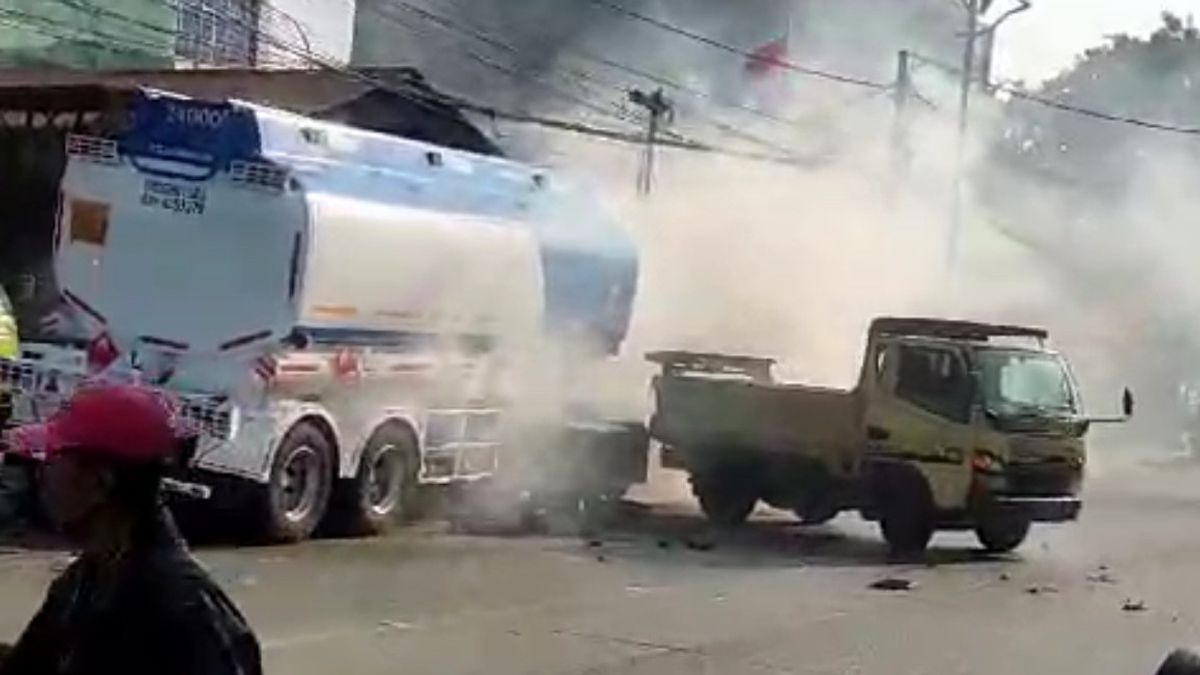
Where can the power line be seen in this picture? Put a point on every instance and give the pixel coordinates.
(662, 80)
(437, 102)
(453, 27)
(478, 34)
(1017, 92)
(1097, 114)
(751, 56)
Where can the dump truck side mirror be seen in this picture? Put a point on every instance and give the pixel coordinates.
(1127, 403)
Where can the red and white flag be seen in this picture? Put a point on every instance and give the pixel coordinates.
(765, 68)
(768, 58)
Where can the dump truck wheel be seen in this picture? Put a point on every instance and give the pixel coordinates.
(1001, 531)
(816, 514)
(907, 514)
(726, 503)
(296, 496)
(383, 492)
(1180, 662)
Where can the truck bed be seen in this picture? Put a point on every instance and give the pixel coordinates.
(698, 410)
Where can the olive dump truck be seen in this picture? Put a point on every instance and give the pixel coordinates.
(952, 425)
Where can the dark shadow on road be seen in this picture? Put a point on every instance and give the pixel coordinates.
(679, 536)
(660, 536)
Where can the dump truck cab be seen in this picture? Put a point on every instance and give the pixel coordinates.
(969, 425)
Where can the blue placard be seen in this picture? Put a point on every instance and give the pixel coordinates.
(202, 133)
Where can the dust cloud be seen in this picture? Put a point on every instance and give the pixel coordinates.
(793, 262)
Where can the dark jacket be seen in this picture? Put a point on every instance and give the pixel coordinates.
(154, 611)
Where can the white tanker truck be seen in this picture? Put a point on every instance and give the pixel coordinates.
(344, 315)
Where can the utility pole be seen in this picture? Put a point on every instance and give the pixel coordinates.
(960, 146)
(901, 150)
(660, 109)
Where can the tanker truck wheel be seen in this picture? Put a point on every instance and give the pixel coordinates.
(384, 490)
(297, 494)
(1002, 530)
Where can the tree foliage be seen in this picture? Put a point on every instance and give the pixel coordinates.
(1155, 78)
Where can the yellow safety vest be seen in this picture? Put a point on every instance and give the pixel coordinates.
(8, 329)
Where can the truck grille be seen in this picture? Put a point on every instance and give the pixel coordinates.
(1045, 479)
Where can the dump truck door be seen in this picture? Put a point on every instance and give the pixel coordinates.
(920, 412)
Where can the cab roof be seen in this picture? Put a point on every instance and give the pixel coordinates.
(951, 329)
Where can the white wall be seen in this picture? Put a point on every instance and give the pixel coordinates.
(328, 26)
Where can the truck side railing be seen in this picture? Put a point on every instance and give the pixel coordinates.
(753, 368)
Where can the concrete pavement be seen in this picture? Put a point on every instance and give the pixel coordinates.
(773, 598)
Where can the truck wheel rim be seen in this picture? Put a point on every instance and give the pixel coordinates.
(300, 483)
(384, 480)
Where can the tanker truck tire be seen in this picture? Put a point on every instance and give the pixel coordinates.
(297, 494)
(1001, 531)
(383, 492)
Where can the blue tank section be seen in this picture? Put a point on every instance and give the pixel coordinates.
(590, 263)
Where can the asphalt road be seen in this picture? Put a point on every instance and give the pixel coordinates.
(774, 598)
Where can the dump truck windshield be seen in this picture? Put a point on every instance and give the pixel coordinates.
(1015, 382)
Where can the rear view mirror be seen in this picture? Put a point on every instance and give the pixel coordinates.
(1125, 416)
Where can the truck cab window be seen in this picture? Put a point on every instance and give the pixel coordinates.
(935, 380)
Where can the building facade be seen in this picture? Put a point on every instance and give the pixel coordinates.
(148, 34)
(87, 34)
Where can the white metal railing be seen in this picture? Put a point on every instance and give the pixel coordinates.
(196, 413)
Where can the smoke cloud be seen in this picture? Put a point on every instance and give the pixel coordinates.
(764, 259)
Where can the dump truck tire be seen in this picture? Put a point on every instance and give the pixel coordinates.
(906, 518)
(816, 515)
(725, 500)
(1180, 662)
(1001, 531)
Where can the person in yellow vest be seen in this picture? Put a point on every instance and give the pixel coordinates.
(14, 480)
(8, 328)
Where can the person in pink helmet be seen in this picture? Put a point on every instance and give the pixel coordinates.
(135, 600)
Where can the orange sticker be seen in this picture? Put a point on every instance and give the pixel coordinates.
(89, 221)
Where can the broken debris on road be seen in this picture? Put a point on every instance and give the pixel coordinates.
(893, 584)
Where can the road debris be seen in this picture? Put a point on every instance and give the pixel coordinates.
(1131, 605)
(699, 544)
(1101, 578)
(601, 558)
(893, 584)
(595, 543)
(1041, 589)
(1004, 576)
(664, 543)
